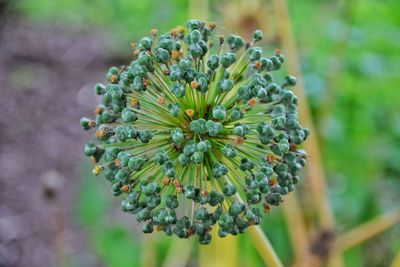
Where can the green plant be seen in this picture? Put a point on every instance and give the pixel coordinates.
(195, 132)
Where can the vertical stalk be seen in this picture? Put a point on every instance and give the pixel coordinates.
(149, 252)
(179, 253)
(315, 172)
(297, 230)
(264, 247)
(396, 261)
(314, 167)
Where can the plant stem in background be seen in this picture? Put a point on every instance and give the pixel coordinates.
(149, 252)
(265, 248)
(315, 173)
(367, 230)
(396, 261)
(179, 253)
(297, 230)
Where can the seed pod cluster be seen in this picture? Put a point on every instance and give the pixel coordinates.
(195, 133)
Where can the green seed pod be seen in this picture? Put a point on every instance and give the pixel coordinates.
(111, 71)
(100, 89)
(246, 164)
(195, 50)
(148, 228)
(168, 169)
(146, 43)
(219, 170)
(257, 35)
(184, 65)
(225, 220)
(236, 114)
(190, 148)
(143, 214)
(174, 109)
(152, 201)
(189, 191)
(199, 228)
(235, 42)
(229, 190)
(183, 222)
(244, 93)
(181, 233)
(195, 36)
(86, 123)
(121, 175)
(197, 157)
(281, 58)
(151, 189)
(145, 136)
(162, 55)
(290, 81)
(273, 199)
(213, 62)
(184, 159)
(205, 239)
(255, 53)
(171, 202)
(283, 147)
(144, 58)
(136, 164)
(128, 115)
(219, 113)
(214, 128)
(204, 199)
(201, 214)
(238, 130)
(225, 85)
(107, 99)
(138, 84)
(278, 122)
(179, 90)
(236, 208)
(177, 136)
(123, 158)
(175, 73)
(204, 48)
(90, 149)
(228, 59)
(198, 126)
(203, 84)
(203, 146)
(194, 24)
(222, 233)
(229, 151)
(215, 199)
(126, 206)
(161, 157)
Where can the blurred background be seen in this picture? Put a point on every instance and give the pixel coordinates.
(53, 212)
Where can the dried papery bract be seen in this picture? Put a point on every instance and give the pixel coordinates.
(196, 133)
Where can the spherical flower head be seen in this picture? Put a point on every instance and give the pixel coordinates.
(195, 133)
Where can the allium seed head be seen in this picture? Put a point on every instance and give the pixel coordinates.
(195, 135)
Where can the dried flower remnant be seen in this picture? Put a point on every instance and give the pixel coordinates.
(194, 134)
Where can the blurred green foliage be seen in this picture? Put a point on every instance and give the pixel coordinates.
(350, 51)
(123, 20)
